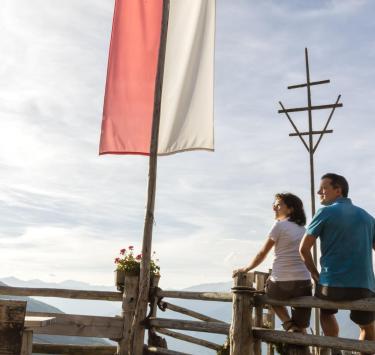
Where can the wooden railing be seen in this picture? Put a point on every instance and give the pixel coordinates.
(247, 329)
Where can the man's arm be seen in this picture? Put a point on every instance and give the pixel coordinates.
(305, 251)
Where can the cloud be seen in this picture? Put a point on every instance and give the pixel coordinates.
(64, 208)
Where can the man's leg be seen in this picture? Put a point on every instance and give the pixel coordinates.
(367, 332)
(329, 323)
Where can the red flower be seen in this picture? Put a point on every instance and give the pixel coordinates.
(138, 257)
(122, 251)
(131, 247)
(117, 260)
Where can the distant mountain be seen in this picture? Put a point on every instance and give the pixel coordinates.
(84, 307)
(218, 310)
(38, 306)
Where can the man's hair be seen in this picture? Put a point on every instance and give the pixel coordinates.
(292, 201)
(338, 181)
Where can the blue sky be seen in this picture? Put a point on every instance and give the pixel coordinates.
(65, 211)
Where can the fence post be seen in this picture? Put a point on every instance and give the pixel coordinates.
(153, 338)
(129, 300)
(241, 334)
(260, 281)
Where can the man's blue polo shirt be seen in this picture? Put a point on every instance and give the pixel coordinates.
(347, 234)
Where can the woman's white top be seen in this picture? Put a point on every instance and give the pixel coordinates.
(287, 263)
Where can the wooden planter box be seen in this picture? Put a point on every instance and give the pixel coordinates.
(121, 275)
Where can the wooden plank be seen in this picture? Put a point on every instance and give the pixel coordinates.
(73, 349)
(38, 322)
(277, 336)
(311, 84)
(163, 351)
(81, 325)
(317, 107)
(364, 304)
(188, 312)
(12, 316)
(61, 293)
(189, 339)
(203, 296)
(27, 342)
(207, 327)
(307, 133)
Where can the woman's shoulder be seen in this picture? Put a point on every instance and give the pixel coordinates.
(291, 225)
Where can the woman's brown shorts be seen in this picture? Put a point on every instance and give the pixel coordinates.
(284, 290)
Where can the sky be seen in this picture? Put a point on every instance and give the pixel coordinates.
(65, 212)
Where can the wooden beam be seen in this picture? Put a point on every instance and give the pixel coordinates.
(162, 351)
(73, 349)
(318, 107)
(189, 339)
(313, 132)
(61, 293)
(240, 333)
(188, 312)
(207, 327)
(277, 336)
(312, 83)
(364, 304)
(81, 325)
(203, 296)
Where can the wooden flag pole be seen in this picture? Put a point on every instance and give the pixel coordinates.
(138, 329)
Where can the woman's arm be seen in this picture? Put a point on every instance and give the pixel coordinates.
(259, 258)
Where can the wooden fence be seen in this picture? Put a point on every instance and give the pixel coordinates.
(252, 320)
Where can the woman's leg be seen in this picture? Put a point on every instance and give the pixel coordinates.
(282, 313)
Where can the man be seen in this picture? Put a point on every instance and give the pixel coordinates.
(347, 236)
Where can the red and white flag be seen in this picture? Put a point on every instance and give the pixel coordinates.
(186, 119)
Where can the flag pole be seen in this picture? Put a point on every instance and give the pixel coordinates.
(138, 329)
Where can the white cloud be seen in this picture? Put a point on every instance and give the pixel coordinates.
(60, 202)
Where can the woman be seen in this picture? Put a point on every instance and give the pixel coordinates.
(289, 277)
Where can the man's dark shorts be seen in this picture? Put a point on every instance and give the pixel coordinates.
(284, 290)
(347, 294)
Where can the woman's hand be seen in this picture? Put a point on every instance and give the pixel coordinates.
(236, 272)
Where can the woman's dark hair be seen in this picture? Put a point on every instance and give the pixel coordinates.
(292, 201)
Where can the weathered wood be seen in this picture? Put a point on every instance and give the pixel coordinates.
(81, 325)
(276, 336)
(260, 281)
(12, 317)
(311, 84)
(127, 314)
(73, 349)
(364, 304)
(189, 339)
(153, 338)
(188, 312)
(207, 327)
(61, 293)
(38, 321)
(138, 330)
(317, 107)
(312, 132)
(162, 351)
(240, 335)
(27, 342)
(203, 296)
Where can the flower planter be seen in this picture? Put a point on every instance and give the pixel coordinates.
(121, 275)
